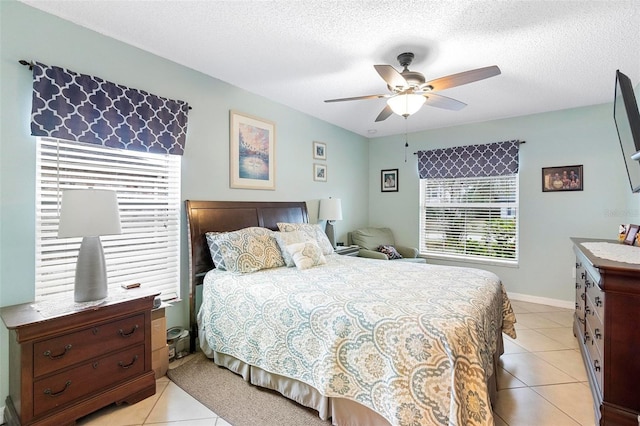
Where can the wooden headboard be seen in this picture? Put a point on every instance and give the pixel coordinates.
(225, 216)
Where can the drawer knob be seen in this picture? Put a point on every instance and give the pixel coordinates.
(129, 334)
(50, 356)
(95, 330)
(596, 365)
(121, 364)
(54, 394)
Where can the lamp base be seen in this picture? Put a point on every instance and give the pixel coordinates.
(330, 233)
(91, 272)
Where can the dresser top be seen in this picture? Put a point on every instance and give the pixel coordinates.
(606, 264)
(28, 314)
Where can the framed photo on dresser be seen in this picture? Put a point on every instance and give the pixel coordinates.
(632, 231)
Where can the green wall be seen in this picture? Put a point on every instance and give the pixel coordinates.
(579, 136)
(27, 33)
(584, 136)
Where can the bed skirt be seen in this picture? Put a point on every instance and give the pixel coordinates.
(341, 411)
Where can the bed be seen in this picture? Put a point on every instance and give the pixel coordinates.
(361, 341)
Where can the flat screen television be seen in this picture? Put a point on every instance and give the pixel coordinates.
(627, 119)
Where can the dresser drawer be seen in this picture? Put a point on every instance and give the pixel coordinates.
(60, 352)
(595, 355)
(64, 387)
(596, 295)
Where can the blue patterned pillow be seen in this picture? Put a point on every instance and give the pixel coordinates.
(249, 250)
(214, 249)
(390, 251)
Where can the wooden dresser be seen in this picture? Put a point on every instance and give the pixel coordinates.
(67, 365)
(607, 325)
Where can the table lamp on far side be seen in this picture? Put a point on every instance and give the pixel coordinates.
(89, 213)
(330, 210)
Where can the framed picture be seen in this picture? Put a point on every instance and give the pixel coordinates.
(389, 180)
(320, 172)
(319, 151)
(632, 231)
(252, 152)
(565, 178)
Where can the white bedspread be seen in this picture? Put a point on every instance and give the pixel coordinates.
(413, 342)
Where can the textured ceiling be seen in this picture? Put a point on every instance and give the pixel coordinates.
(553, 54)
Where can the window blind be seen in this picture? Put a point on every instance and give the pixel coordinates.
(470, 218)
(148, 188)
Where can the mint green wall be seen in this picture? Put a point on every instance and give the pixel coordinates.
(584, 136)
(26, 33)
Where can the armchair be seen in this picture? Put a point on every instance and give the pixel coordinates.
(369, 239)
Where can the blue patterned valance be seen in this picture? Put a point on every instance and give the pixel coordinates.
(493, 159)
(83, 108)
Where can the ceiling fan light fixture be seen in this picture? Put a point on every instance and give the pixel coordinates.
(406, 104)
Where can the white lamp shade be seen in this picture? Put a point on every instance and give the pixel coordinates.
(406, 104)
(330, 209)
(89, 213)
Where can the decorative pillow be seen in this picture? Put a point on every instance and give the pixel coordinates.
(285, 239)
(312, 230)
(214, 249)
(390, 251)
(306, 255)
(249, 250)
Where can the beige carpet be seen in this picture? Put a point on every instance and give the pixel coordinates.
(235, 400)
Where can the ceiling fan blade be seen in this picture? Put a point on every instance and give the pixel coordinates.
(384, 114)
(440, 101)
(461, 78)
(392, 77)
(357, 98)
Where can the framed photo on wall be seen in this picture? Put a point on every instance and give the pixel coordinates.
(320, 172)
(319, 151)
(565, 178)
(389, 180)
(252, 150)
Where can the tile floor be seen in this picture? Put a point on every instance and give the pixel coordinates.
(542, 381)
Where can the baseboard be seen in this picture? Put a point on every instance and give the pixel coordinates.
(567, 304)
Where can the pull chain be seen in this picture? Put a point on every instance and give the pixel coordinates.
(406, 139)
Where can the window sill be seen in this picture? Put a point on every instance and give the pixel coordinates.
(460, 259)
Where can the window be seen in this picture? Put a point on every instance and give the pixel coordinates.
(473, 218)
(148, 188)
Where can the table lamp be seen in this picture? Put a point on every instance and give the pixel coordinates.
(330, 210)
(89, 213)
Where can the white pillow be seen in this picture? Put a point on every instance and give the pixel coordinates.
(285, 239)
(312, 230)
(306, 255)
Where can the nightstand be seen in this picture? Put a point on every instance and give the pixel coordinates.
(65, 363)
(348, 250)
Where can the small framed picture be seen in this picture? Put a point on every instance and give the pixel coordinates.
(319, 151)
(632, 231)
(389, 180)
(320, 172)
(565, 178)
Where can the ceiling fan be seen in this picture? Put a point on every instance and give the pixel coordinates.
(409, 90)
